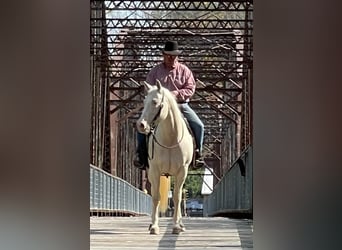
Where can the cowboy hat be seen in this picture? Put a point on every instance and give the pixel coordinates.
(171, 48)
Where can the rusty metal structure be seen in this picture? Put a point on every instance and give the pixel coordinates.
(126, 38)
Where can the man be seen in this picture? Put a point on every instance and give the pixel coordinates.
(179, 79)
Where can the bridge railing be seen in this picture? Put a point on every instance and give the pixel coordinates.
(112, 195)
(234, 193)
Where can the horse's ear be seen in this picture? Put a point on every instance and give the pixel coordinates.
(158, 84)
(147, 86)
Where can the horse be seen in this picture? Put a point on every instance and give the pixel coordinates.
(170, 150)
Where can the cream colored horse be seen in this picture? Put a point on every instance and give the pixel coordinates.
(170, 149)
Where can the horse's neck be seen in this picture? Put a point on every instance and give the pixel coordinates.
(172, 127)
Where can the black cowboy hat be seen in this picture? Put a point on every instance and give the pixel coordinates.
(171, 48)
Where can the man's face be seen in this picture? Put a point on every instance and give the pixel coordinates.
(170, 60)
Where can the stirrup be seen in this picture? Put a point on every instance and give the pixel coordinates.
(199, 163)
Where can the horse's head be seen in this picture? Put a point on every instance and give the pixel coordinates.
(153, 108)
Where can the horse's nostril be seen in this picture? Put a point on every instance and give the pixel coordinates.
(141, 125)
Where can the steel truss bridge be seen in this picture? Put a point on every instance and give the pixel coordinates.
(126, 38)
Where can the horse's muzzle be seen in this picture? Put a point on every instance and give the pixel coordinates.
(143, 127)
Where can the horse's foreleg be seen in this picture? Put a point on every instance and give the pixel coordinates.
(177, 198)
(154, 228)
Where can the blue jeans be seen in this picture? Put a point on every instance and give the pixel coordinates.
(194, 121)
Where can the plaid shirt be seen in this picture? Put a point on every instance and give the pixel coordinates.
(179, 80)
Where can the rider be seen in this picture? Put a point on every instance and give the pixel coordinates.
(179, 79)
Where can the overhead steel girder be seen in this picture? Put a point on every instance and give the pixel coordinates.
(148, 38)
(168, 24)
(216, 5)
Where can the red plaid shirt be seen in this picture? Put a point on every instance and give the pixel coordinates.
(179, 80)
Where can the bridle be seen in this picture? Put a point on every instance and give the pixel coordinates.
(153, 124)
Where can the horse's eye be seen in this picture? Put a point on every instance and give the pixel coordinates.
(155, 102)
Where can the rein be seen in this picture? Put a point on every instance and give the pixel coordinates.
(168, 147)
(153, 126)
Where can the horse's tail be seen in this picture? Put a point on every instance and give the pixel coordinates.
(164, 191)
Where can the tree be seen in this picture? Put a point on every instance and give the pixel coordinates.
(193, 184)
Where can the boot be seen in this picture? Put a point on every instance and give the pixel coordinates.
(140, 160)
(199, 162)
(138, 163)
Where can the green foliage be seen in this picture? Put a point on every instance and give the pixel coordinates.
(193, 184)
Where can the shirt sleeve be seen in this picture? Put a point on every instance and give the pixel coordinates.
(151, 77)
(187, 89)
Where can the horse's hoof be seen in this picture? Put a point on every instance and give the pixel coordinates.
(154, 231)
(178, 230)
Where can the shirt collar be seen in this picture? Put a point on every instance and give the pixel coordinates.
(175, 66)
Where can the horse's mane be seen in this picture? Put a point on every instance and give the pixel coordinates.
(172, 101)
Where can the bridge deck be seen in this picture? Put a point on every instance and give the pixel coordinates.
(201, 233)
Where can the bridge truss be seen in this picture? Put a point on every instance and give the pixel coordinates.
(126, 38)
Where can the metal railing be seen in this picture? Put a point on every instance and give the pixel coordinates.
(234, 193)
(110, 194)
